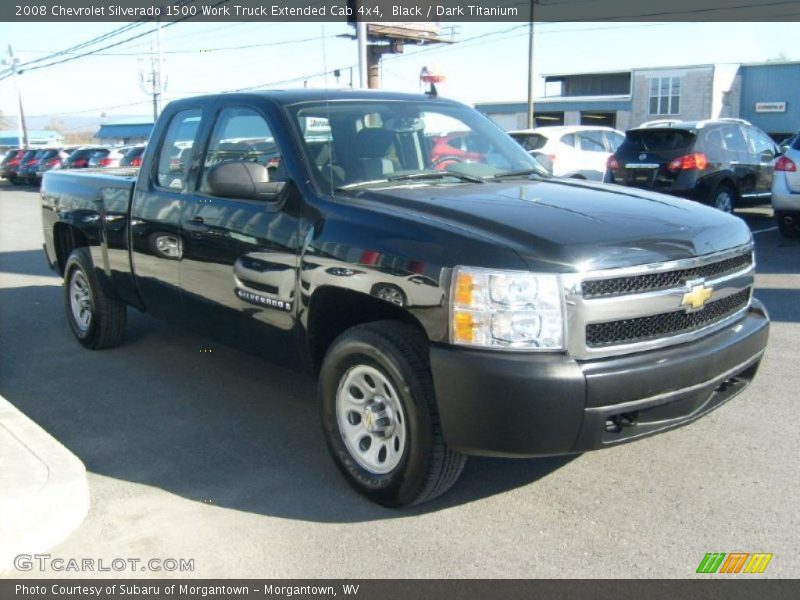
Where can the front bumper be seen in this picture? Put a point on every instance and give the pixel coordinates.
(508, 404)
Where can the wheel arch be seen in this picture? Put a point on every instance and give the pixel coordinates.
(331, 310)
(67, 238)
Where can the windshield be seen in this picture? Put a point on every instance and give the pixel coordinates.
(380, 143)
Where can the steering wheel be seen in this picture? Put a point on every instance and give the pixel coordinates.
(441, 163)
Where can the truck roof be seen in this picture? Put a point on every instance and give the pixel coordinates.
(294, 96)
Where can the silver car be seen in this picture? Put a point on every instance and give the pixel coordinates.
(786, 188)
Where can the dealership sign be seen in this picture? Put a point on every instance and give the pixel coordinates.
(770, 107)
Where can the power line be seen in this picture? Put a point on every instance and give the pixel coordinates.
(114, 45)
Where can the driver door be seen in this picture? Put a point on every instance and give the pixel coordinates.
(239, 267)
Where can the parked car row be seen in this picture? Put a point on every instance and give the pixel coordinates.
(722, 162)
(26, 166)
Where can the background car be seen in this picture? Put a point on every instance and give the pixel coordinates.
(786, 189)
(10, 160)
(16, 165)
(578, 151)
(51, 159)
(108, 157)
(27, 169)
(133, 157)
(718, 162)
(79, 158)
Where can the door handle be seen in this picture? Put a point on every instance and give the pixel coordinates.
(196, 225)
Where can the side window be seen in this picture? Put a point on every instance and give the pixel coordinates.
(591, 141)
(759, 142)
(614, 140)
(176, 151)
(733, 139)
(243, 134)
(568, 139)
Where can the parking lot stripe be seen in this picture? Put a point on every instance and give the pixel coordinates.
(765, 230)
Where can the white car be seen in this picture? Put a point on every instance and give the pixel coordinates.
(578, 151)
(786, 188)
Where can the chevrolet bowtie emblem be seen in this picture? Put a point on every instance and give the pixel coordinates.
(697, 296)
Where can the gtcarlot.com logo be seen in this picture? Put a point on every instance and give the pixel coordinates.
(46, 562)
(734, 562)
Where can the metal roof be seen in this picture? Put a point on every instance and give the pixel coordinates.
(124, 130)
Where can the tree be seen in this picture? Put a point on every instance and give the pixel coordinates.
(55, 125)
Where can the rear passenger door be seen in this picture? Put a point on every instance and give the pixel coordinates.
(594, 153)
(239, 267)
(743, 162)
(764, 151)
(158, 203)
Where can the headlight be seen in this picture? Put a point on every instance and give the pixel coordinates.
(515, 310)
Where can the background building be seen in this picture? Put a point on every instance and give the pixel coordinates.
(9, 138)
(130, 131)
(766, 94)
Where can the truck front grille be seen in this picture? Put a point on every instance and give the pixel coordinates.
(632, 309)
(629, 331)
(662, 281)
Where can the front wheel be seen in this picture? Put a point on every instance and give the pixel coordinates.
(96, 318)
(379, 415)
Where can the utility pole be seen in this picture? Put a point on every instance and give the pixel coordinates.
(156, 80)
(22, 130)
(531, 119)
(361, 40)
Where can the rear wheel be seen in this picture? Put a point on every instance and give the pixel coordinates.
(723, 198)
(96, 318)
(379, 415)
(788, 224)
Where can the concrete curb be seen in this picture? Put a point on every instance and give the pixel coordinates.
(44, 495)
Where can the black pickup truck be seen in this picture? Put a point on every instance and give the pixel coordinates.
(451, 298)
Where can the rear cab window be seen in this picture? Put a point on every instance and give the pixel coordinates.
(174, 156)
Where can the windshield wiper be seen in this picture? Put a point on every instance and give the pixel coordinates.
(520, 173)
(436, 175)
(414, 176)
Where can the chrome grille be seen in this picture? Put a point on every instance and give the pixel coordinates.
(662, 281)
(628, 331)
(618, 311)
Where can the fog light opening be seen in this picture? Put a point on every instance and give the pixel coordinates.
(615, 423)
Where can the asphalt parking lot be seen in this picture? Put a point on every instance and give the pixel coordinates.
(218, 457)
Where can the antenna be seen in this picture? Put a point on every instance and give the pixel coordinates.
(327, 105)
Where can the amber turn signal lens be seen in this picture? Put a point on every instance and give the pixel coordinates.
(463, 289)
(463, 327)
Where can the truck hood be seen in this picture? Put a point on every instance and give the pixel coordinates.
(568, 225)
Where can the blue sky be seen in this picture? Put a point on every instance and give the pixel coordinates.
(490, 68)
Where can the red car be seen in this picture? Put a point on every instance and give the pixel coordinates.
(10, 162)
(465, 147)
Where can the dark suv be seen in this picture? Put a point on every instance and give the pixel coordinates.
(717, 162)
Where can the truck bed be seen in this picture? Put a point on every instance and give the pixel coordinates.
(95, 204)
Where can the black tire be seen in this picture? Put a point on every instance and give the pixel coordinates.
(788, 230)
(108, 314)
(724, 198)
(427, 467)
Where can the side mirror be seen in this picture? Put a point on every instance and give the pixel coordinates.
(243, 180)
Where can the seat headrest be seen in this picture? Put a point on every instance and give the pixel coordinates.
(373, 142)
